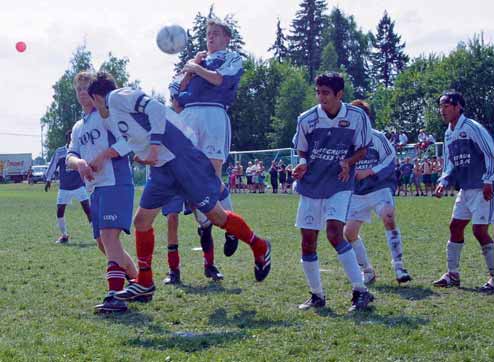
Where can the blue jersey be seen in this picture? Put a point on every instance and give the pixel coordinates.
(69, 179)
(406, 169)
(141, 121)
(468, 155)
(93, 135)
(199, 91)
(328, 141)
(380, 158)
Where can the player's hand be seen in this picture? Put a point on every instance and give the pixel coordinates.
(97, 164)
(200, 56)
(344, 175)
(361, 174)
(47, 186)
(152, 158)
(299, 171)
(439, 191)
(85, 170)
(487, 191)
(191, 67)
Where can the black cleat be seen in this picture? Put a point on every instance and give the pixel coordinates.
(262, 269)
(402, 276)
(136, 292)
(173, 277)
(487, 288)
(314, 301)
(211, 271)
(360, 300)
(231, 244)
(63, 239)
(111, 305)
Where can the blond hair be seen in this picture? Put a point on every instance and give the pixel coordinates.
(84, 76)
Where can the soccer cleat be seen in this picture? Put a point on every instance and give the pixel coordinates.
(211, 271)
(402, 276)
(231, 244)
(111, 305)
(360, 300)
(447, 280)
(487, 288)
(369, 276)
(173, 277)
(262, 268)
(314, 301)
(63, 239)
(136, 292)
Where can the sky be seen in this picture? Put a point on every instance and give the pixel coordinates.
(53, 30)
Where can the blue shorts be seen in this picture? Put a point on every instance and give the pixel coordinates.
(190, 175)
(175, 206)
(112, 208)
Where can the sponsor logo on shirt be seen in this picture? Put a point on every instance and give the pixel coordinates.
(89, 136)
(463, 134)
(343, 123)
(110, 217)
(204, 202)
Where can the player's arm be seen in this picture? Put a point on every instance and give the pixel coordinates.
(302, 146)
(486, 145)
(51, 169)
(211, 76)
(387, 156)
(445, 178)
(74, 160)
(362, 139)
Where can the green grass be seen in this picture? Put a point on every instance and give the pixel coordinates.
(48, 292)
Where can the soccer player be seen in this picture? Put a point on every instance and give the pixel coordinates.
(71, 186)
(469, 162)
(178, 168)
(374, 189)
(331, 137)
(206, 89)
(104, 166)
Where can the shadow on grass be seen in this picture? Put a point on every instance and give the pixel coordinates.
(212, 287)
(399, 320)
(407, 292)
(187, 341)
(244, 319)
(81, 245)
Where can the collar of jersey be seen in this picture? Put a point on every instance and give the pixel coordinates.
(459, 124)
(87, 116)
(323, 114)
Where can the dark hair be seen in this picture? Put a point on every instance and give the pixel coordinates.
(452, 97)
(68, 134)
(102, 85)
(331, 80)
(362, 104)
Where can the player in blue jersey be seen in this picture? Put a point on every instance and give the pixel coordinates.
(104, 166)
(178, 168)
(469, 164)
(206, 88)
(374, 189)
(71, 186)
(331, 137)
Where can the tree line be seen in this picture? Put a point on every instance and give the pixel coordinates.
(402, 92)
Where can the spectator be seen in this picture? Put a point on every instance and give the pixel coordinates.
(273, 175)
(249, 172)
(239, 173)
(282, 174)
(406, 173)
(417, 177)
(289, 179)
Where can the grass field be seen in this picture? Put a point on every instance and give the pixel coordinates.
(48, 292)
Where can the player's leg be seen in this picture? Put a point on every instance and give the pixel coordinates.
(81, 195)
(351, 233)
(312, 272)
(173, 255)
(62, 225)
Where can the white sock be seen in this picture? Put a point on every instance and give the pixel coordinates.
(62, 226)
(201, 219)
(393, 238)
(349, 262)
(227, 203)
(453, 253)
(488, 252)
(361, 253)
(310, 265)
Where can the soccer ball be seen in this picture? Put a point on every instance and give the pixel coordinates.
(171, 39)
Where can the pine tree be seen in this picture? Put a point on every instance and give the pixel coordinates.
(279, 48)
(305, 39)
(388, 57)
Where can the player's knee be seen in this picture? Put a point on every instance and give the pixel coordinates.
(350, 232)
(142, 223)
(309, 246)
(334, 233)
(481, 233)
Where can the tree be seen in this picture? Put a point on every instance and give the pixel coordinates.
(388, 57)
(279, 49)
(352, 49)
(117, 67)
(305, 39)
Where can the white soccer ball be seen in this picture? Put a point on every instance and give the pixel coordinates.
(171, 39)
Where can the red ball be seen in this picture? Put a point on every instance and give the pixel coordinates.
(20, 46)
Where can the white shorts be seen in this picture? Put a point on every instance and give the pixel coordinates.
(65, 196)
(361, 206)
(471, 205)
(313, 213)
(211, 126)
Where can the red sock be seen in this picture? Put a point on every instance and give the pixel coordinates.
(173, 257)
(237, 226)
(208, 254)
(145, 249)
(115, 275)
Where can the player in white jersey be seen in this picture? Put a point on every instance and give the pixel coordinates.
(71, 186)
(178, 168)
(331, 137)
(103, 164)
(206, 89)
(469, 164)
(374, 189)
